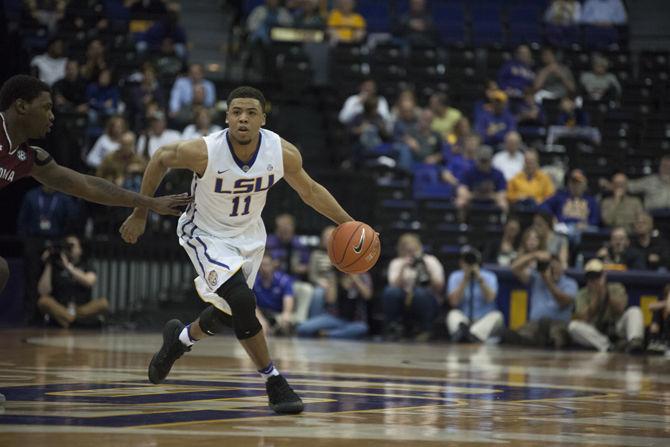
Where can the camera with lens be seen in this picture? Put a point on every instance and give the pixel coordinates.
(422, 275)
(542, 266)
(56, 248)
(471, 256)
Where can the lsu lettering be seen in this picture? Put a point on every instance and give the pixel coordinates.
(245, 185)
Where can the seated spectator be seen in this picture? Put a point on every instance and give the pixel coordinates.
(504, 251)
(482, 183)
(286, 249)
(66, 284)
(108, 142)
(471, 292)
(167, 27)
(184, 91)
(415, 283)
(573, 207)
(321, 274)
(156, 135)
(346, 318)
(517, 75)
(445, 117)
(461, 160)
(460, 131)
(601, 319)
(618, 251)
(599, 84)
(344, 24)
(603, 13)
(531, 242)
(87, 16)
(529, 111)
(532, 185)
(123, 166)
(308, 15)
(416, 27)
(202, 127)
(368, 129)
(421, 144)
(493, 122)
(260, 22)
(405, 116)
(510, 160)
(570, 115)
(147, 91)
(554, 80)
(69, 93)
(659, 331)
(46, 213)
(551, 296)
(354, 104)
(620, 209)
(647, 240)
(556, 244)
(563, 13)
(47, 14)
(654, 187)
(274, 298)
(166, 60)
(94, 61)
(263, 17)
(50, 66)
(104, 98)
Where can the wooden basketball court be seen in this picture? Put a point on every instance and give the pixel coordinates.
(90, 389)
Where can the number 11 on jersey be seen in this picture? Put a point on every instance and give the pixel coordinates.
(236, 206)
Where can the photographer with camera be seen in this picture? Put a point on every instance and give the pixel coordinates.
(471, 292)
(602, 319)
(66, 284)
(413, 294)
(551, 296)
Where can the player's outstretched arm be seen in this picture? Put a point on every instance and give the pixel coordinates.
(95, 189)
(311, 192)
(191, 154)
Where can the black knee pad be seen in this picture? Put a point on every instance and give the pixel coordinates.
(213, 320)
(242, 303)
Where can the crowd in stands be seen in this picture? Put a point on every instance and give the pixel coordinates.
(488, 154)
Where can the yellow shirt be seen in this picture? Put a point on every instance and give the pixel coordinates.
(344, 26)
(445, 124)
(539, 187)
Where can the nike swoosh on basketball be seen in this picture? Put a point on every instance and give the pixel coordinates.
(357, 248)
(221, 172)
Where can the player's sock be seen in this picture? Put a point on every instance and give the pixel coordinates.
(185, 336)
(268, 371)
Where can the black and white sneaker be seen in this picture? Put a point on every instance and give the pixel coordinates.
(282, 399)
(172, 349)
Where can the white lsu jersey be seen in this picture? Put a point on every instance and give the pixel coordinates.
(230, 196)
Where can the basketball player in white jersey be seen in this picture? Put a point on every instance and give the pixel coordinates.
(223, 233)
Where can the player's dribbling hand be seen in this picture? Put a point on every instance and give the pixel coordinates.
(132, 228)
(172, 204)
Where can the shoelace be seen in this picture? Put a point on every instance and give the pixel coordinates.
(283, 390)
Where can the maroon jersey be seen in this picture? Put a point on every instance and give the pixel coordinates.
(15, 163)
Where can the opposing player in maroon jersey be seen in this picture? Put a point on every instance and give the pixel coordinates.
(25, 113)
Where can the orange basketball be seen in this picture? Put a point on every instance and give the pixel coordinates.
(354, 247)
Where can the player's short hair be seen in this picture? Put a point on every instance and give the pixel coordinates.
(246, 91)
(21, 87)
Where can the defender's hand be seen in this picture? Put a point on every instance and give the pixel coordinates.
(171, 205)
(132, 228)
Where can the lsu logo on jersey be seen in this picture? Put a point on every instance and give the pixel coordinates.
(246, 185)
